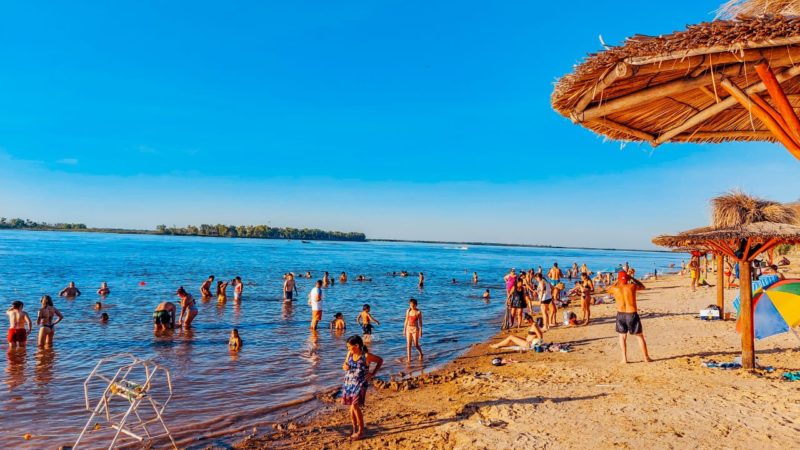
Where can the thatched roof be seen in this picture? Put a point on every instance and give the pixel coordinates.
(737, 216)
(654, 88)
(737, 208)
(758, 232)
(735, 8)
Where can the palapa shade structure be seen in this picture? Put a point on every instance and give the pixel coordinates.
(742, 228)
(726, 80)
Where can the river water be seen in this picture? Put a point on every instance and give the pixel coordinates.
(282, 364)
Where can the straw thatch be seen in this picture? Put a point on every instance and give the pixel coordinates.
(737, 216)
(737, 208)
(660, 89)
(757, 231)
(735, 8)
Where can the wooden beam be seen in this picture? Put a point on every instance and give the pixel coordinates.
(766, 246)
(778, 96)
(760, 135)
(642, 96)
(717, 108)
(774, 114)
(625, 129)
(746, 315)
(708, 92)
(621, 70)
(721, 284)
(763, 116)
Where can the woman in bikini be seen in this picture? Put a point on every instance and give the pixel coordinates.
(587, 289)
(238, 289)
(356, 381)
(188, 308)
(222, 291)
(45, 321)
(412, 328)
(534, 336)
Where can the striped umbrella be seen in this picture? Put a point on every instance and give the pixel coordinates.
(776, 309)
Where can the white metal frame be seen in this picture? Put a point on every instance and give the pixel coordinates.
(131, 382)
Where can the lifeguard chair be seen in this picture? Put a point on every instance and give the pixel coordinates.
(118, 386)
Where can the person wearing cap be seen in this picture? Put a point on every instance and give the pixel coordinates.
(628, 321)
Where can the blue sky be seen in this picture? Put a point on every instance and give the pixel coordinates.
(410, 120)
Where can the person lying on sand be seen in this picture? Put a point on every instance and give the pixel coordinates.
(534, 336)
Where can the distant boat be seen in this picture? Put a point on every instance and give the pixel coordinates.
(463, 248)
(305, 242)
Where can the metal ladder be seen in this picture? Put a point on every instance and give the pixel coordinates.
(126, 389)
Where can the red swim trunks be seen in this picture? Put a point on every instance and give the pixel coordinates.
(17, 335)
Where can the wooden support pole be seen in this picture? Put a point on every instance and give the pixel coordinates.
(762, 115)
(746, 311)
(778, 96)
(721, 284)
(717, 108)
(774, 114)
(759, 135)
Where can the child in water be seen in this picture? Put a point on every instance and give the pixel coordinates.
(235, 342)
(104, 317)
(365, 319)
(98, 305)
(356, 380)
(338, 322)
(412, 328)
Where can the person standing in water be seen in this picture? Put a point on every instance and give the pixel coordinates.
(421, 280)
(326, 279)
(511, 280)
(222, 291)
(474, 277)
(343, 278)
(315, 301)
(188, 308)
(412, 328)
(46, 323)
(238, 289)
(17, 320)
(357, 377)
(365, 319)
(555, 273)
(104, 290)
(628, 321)
(205, 288)
(70, 292)
(289, 288)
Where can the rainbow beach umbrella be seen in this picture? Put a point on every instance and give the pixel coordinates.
(776, 309)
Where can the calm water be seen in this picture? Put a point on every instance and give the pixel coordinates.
(282, 361)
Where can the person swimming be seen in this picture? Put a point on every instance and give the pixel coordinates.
(104, 290)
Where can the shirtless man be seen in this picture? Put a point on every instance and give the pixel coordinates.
(421, 280)
(17, 331)
(628, 321)
(343, 278)
(45, 321)
(164, 316)
(205, 288)
(555, 273)
(289, 288)
(70, 291)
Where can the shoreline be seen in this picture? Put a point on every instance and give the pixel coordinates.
(468, 403)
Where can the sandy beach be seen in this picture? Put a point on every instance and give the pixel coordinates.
(585, 398)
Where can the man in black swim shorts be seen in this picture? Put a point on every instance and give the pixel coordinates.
(628, 321)
(164, 316)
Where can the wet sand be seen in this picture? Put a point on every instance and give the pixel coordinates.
(585, 398)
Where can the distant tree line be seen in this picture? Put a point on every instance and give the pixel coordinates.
(27, 224)
(261, 232)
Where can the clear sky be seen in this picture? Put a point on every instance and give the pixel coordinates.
(401, 119)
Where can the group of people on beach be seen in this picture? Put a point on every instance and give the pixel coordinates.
(525, 290)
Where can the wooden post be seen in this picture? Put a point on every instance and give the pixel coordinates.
(779, 98)
(746, 311)
(721, 285)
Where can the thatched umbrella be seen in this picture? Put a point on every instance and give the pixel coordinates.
(703, 84)
(742, 228)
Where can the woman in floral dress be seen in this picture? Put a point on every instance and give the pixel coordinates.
(356, 380)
